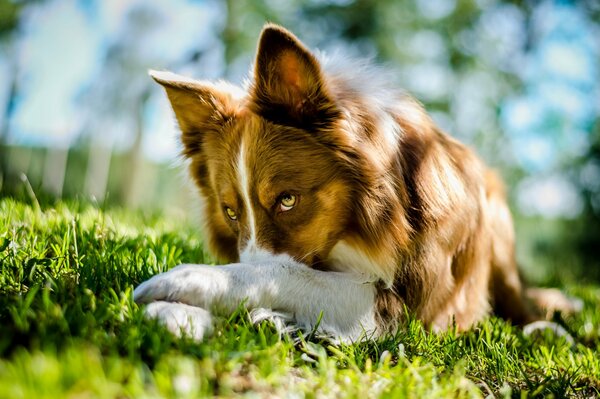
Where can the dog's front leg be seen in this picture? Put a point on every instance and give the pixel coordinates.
(347, 301)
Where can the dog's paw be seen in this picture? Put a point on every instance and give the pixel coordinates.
(538, 327)
(163, 286)
(550, 300)
(191, 284)
(283, 322)
(181, 319)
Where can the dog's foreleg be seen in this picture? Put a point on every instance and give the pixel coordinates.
(347, 301)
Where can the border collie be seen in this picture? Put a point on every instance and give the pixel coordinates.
(331, 194)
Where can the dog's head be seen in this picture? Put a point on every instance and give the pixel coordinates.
(271, 163)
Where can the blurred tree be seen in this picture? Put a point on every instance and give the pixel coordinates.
(9, 22)
(10, 16)
(116, 102)
(586, 240)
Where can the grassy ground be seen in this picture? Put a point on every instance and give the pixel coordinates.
(69, 328)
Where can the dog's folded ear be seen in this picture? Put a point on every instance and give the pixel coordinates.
(288, 86)
(199, 107)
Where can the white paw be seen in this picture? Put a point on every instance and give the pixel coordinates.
(191, 284)
(181, 319)
(283, 321)
(539, 326)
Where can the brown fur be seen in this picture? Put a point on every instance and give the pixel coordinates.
(425, 212)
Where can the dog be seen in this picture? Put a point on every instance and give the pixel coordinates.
(337, 202)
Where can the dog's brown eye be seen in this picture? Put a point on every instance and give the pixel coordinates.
(286, 202)
(231, 213)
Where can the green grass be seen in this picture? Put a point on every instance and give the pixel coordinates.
(69, 328)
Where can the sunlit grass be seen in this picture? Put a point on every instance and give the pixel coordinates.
(69, 328)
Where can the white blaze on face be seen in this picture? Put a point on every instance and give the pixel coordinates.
(251, 251)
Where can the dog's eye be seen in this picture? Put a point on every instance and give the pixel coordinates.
(286, 202)
(230, 213)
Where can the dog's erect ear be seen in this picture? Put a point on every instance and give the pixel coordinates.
(288, 81)
(200, 107)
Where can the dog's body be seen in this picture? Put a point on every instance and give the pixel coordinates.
(336, 194)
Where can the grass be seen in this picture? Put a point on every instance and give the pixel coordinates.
(69, 328)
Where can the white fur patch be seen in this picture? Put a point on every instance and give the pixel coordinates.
(242, 171)
(390, 130)
(251, 252)
(346, 258)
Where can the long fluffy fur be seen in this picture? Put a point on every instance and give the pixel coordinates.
(382, 194)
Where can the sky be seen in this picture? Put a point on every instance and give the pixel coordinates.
(62, 45)
(61, 51)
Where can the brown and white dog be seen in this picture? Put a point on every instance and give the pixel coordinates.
(337, 194)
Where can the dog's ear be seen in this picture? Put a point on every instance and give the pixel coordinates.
(288, 82)
(200, 107)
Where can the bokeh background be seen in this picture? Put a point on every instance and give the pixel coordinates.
(517, 80)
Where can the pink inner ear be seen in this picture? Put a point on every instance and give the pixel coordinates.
(290, 70)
